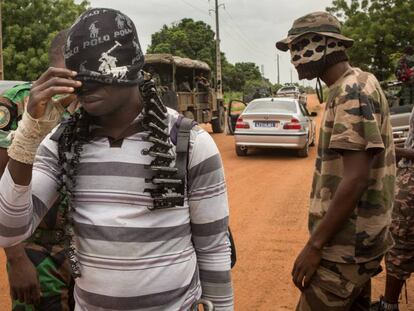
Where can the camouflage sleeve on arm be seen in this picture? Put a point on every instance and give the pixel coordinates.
(357, 120)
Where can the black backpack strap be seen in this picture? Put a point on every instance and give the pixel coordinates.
(182, 142)
(183, 139)
(233, 255)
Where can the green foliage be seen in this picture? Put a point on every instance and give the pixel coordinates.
(228, 96)
(380, 28)
(28, 29)
(187, 38)
(251, 86)
(236, 76)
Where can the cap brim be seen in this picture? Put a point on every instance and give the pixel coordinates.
(283, 45)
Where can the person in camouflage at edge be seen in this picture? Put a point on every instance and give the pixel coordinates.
(39, 273)
(399, 260)
(405, 74)
(353, 185)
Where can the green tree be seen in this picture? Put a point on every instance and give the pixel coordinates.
(187, 38)
(236, 76)
(249, 70)
(380, 28)
(28, 28)
(233, 80)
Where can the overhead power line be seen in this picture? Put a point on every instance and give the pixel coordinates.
(242, 42)
(240, 33)
(195, 7)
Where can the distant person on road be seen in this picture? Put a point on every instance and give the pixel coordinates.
(39, 273)
(399, 260)
(353, 185)
(405, 74)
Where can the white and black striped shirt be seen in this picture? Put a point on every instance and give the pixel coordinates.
(133, 258)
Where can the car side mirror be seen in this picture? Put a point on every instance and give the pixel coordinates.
(314, 114)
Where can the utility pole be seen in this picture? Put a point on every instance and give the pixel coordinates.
(1, 46)
(278, 71)
(219, 84)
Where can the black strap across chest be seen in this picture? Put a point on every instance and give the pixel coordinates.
(183, 140)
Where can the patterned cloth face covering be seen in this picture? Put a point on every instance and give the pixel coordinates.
(311, 48)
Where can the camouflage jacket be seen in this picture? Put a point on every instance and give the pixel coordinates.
(50, 230)
(356, 118)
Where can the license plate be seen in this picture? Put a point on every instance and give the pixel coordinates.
(265, 123)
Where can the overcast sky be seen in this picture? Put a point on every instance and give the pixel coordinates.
(248, 28)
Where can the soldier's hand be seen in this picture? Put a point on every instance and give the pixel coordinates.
(305, 266)
(54, 81)
(24, 281)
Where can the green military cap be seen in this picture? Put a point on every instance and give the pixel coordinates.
(321, 23)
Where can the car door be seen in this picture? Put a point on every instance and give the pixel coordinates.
(310, 122)
(235, 109)
(312, 117)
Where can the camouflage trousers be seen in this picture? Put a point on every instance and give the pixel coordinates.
(340, 287)
(56, 282)
(399, 260)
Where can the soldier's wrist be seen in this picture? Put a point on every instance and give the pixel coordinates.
(315, 245)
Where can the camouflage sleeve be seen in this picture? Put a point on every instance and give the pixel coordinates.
(357, 121)
(8, 121)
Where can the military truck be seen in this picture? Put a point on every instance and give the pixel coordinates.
(186, 85)
(400, 112)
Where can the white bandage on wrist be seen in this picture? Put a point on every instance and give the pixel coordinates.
(30, 133)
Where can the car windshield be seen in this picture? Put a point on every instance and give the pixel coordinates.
(272, 106)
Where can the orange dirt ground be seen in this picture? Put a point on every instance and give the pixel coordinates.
(268, 193)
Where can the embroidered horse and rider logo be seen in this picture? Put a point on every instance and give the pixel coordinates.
(94, 30)
(120, 21)
(68, 43)
(108, 64)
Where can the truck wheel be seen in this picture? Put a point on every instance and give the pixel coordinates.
(219, 123)
(241, 152)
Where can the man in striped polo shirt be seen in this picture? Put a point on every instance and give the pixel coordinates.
(129, 247)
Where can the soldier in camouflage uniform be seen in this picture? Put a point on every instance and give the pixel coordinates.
(353, 185)
(405, 74)
(39, 273)
(399, 260)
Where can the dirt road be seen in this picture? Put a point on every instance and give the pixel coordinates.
(268, 192)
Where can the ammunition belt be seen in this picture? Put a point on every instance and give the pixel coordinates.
(47, 236)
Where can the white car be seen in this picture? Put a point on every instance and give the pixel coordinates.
(273, 123)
